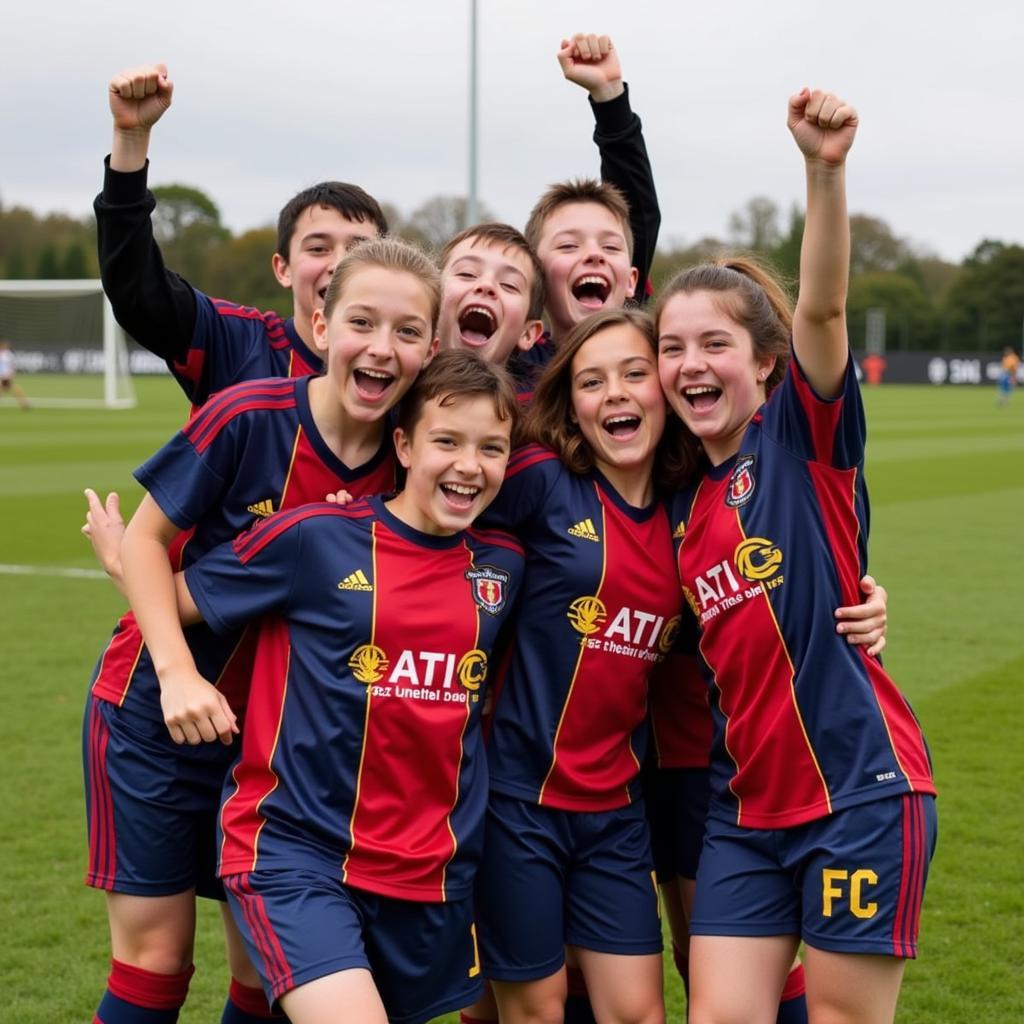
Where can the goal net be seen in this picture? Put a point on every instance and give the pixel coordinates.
(68, 349)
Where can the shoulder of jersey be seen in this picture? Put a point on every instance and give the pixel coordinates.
(497, 538)
(532, 455)
(271, 394)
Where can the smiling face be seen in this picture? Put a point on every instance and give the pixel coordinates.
(486, 300)
(376, 340)
(587, 266)
(618, 404)
(709, 371)
(455, 456)
(320, 240)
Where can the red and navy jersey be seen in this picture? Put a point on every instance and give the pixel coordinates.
(250, 451)
(769, 543)
(232, 343)
(362, 753)
(681, 728)
(600, 608)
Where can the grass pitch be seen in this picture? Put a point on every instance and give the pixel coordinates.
(947, 488)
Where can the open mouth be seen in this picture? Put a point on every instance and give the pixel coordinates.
(591, 291)
(322, 293)
(476, 325)
(621, 426)
(702, 397)
(461, 496)
(372, 383)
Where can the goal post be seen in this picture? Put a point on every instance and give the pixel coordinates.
(68, 349)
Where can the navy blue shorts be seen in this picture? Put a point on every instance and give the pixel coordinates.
(677, 805)
(849, 883)
(300, 925)
(552, 878)
(151, 805)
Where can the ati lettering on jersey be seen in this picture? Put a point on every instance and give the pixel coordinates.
(754, 570)
(634, 633)
(489, 587)
(420, 675)
(262, 508)
(835, 882)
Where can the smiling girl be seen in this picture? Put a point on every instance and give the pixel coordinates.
(153, 767)
(822, 818)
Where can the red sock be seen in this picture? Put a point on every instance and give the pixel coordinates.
(145, 988)
(796, 983)
(246, 1004)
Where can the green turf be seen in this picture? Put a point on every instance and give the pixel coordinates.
(947, 486)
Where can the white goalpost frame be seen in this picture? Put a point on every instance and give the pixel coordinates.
(115, 349)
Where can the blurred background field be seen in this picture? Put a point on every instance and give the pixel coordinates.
(946, 472)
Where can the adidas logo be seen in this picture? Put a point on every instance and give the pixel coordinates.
(261, 508)
(584, 529)
(679, 532)
(356, 581)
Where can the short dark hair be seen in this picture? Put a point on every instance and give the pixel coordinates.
(455, 374)
(350, 201)
(579, 190)
(509, 238)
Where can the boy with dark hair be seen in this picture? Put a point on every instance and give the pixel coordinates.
(207, 343)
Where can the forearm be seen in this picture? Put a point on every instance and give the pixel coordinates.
(151, 589)
(129, 150)
(825, 253)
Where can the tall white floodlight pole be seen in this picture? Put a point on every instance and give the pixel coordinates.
(471, 202)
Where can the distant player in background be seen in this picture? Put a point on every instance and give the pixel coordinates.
(1009, 367)
(8, 385)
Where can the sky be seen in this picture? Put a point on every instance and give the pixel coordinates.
(272, 96)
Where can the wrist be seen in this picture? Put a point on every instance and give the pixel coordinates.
(130, 149)
(607, 91)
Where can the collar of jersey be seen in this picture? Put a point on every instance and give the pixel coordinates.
(405, 531)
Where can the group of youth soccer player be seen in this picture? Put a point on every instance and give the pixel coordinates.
(474, 604)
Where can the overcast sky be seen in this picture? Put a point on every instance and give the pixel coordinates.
(271, 95)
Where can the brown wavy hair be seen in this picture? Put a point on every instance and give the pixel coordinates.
(549, 420)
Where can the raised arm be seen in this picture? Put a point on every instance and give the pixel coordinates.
(194, 710)
(592, 62)
(154, 305)
(823, 127)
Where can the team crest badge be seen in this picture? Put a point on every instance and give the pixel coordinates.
(490, 587)
(741, 483)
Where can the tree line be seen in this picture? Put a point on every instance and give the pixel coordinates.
(928, 303)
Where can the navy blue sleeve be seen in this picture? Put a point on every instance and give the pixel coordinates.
(248, 577)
